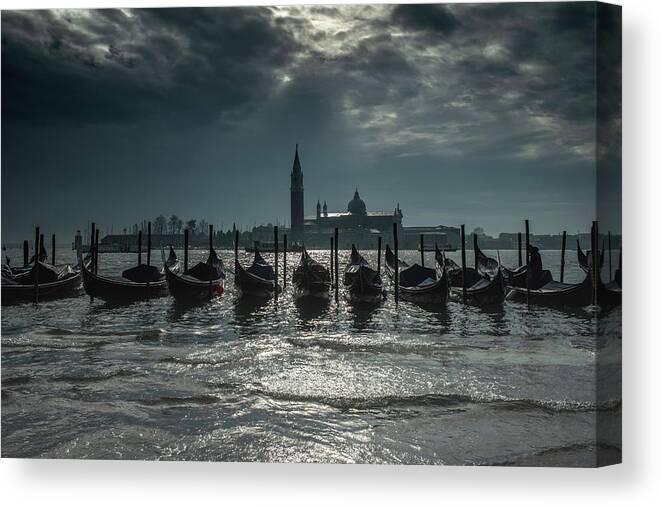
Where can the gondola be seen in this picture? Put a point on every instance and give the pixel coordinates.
(556, 294)
(41, 282)
(610, 293)
(201, 282)
(363, 283)
(585, 259)
(140, 282)
(311, 279)
(257, 281)
(143, 281)
(481, 288)
(417, 283)
(516, 277)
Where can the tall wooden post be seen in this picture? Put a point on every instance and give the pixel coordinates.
(527, 262)
(422, 250)
(96, 251)
(562, 256)
(337, 267)
(463, 263)
(395, 241)
(26, 252)
(378, 256)
(236, 256)
(148, 243)
(36, 264)
(520, 257)
(595, 262)
(284, 261)
(475, 249)
(52, 250)
(41, 245)
(610, 258)
(275, 250)
(139, 246)
(210, 238)
(186, 250)
(91, 250)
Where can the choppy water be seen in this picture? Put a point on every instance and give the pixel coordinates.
(227, 381)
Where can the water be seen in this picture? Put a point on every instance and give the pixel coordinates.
(226, 381)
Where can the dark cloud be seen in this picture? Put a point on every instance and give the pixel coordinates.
(433, 18)
(189, 64)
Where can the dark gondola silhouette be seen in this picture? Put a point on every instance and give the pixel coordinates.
(419, 284)
(256, 281)
(608, 293)
(39, 281)
(311, 279)
(143, 281)
(481, 288)
(362, 281)
(199, 283)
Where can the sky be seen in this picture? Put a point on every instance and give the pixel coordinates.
(483, 114)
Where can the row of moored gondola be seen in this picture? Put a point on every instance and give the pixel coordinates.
(487, 283)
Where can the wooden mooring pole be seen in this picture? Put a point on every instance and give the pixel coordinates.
(520, 257)
(148, 243)
(422, 250)
(562, 256)
(395, 242)
(275, 251)
(284, 262)
(186, 233)
(52, 248)
(463, 263)
(378, 256)
(610, 258)
(139, 246)
(96, 251)
(527, 262)
(236, 256)
(337, 269)
(26, 252)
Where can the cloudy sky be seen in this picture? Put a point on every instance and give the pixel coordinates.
(481, 114)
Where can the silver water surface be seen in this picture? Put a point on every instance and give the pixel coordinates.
(278, 381)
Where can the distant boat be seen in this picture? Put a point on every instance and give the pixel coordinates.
(417, 283)
(362, 281)
(311, 279)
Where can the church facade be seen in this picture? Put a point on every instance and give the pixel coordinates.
(356, 223)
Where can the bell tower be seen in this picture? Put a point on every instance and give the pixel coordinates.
(296, 190)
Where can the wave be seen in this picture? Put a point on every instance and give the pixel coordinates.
(590, 451)
(390, 348)
(98, 378)
(442, 400)
(16, 381)
(201, 399)
(192, 361)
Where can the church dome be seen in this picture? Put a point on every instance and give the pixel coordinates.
(357, 205)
